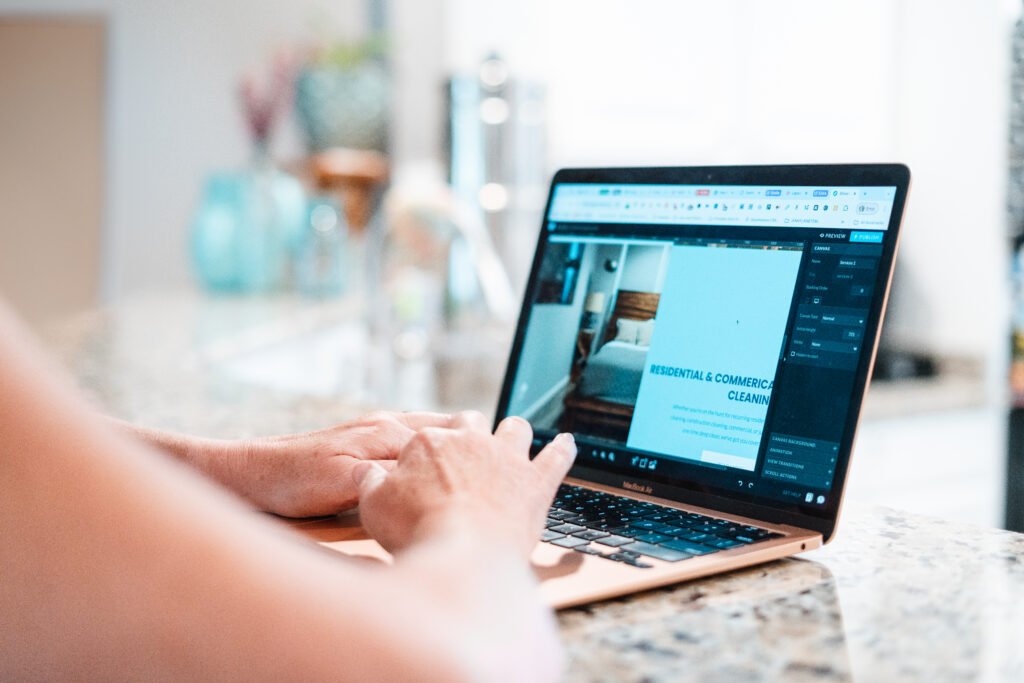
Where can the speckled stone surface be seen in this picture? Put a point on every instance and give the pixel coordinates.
(896, 597)
(235, 367)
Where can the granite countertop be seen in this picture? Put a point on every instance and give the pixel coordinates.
(234, 367)
(895, 597)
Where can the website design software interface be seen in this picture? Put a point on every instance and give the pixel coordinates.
(707, 334)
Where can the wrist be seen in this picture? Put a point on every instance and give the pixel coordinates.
(204, 455)
(465, 524)
(226, 462)
(278, 475)
(495, 578)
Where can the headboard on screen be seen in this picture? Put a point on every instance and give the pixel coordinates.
(632, 306)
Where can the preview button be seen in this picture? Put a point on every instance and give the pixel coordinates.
(872, 236)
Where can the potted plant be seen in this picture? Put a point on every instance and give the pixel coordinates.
(343, 96)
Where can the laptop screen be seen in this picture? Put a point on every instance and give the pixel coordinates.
(714, 337)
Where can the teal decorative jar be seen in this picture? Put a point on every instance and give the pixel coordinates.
(246, 228)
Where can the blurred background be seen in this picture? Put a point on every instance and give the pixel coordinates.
(394, 154)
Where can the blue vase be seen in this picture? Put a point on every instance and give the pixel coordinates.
(245, 229)
(321, 260)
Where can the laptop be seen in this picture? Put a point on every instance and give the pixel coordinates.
(707, 334)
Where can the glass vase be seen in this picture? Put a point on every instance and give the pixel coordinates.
(246, 228)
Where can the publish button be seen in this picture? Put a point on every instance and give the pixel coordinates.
(869, 236)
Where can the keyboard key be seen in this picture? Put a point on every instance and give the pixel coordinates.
(755, 533)
(657, 551)
(688, 547)
(579, 516)
(638, 563)
(627, 531)
(614, 541)
(631, 559)
(587, 550)
(590, 534)
(663, 517)
(574, 519)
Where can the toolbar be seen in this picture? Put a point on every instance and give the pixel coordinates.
(847, 208)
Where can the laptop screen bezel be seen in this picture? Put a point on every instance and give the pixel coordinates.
(857, 175)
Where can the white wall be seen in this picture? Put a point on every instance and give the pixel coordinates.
(642, 268)
(602, 280)
(173, 113)
(549, 345)
(644, 82)
(738, 81)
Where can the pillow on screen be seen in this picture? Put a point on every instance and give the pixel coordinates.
(626, 330)
(644, 331)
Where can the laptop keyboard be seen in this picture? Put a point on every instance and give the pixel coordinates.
(627, 530)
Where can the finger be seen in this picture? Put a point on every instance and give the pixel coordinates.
(516, 432)
(382, 445)
(417, 421)
(389, 432)
(387, 462)
(367, 476)
(555, 459)
(472, 420)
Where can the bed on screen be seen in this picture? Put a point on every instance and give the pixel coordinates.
(601, 403)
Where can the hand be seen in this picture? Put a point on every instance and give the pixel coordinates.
(305, 475)
(464, 476)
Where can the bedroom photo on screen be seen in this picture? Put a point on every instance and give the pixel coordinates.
(586, 344)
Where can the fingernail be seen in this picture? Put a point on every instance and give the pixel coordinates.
(359, 473)
(362, 470)
(567, 436)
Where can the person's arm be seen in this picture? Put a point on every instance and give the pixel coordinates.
(298, 475)
(119, 562)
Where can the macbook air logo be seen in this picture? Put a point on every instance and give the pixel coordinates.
(639, 488)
